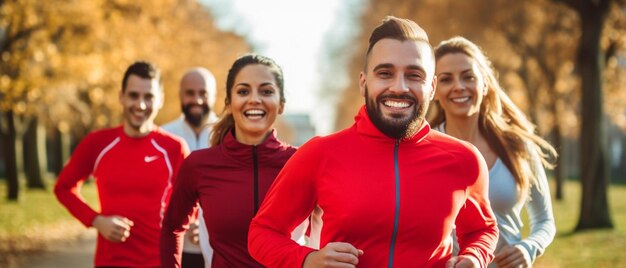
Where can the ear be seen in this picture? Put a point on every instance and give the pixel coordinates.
(281, 108)
(161, 101)
(362, 78)
(434, 88)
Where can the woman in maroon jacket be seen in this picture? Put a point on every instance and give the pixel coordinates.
(230, 178)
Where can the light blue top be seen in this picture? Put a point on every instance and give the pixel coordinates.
(507, 207)
(180, 128)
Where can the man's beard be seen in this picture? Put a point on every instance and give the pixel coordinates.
(195, 120)
(397, 126)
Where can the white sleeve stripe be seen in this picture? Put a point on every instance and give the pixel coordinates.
(169, 178)
(104, 151)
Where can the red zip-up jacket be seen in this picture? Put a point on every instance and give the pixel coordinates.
(230, 181)
(134, 177)
(397, 200)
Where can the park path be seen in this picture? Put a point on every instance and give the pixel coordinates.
(72, 254)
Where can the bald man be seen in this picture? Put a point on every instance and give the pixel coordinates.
(197, 97)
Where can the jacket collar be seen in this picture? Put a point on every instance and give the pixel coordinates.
(243, 152)
(365, 126)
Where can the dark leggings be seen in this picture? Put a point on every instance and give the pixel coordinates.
(192, 260)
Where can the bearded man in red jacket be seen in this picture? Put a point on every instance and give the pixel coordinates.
(391, 190)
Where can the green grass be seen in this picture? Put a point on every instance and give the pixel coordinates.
(37, 219)
(597, 248)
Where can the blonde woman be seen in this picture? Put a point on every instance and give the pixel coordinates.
(471, 105)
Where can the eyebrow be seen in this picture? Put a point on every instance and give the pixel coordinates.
(462, 72)
(389, 65)
(382, 65)
(262, 84)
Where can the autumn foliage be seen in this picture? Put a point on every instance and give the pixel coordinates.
(62, 61)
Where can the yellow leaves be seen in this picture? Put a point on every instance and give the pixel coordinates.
(71, 64)
(5, 80)
(19, 107)
(96, 94)
(63, 126)
(38, 55)
(6, 56)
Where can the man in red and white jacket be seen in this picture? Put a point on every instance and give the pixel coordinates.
(133, 166)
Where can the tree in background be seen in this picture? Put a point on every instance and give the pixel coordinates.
(61, 64)
(590, 62)
(533, 30)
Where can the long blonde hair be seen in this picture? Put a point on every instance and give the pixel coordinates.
(505, 127)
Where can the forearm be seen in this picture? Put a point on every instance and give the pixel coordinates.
(273, 248)
(68, 193)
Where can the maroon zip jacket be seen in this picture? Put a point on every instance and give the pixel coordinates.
(397, 200)
(230, 181)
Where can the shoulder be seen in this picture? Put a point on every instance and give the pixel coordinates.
(102, 137)
(331, 140)
(459, 153)
(324, 145)
(172, 126)
(211, 156)
(452, 145)
(167, 139)
(277, 150)
(288, 149)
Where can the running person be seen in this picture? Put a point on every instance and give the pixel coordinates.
(133, 166)
(391, 190)
(471, 105)
(230, 178)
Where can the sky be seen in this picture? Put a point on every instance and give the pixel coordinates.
(292, 33)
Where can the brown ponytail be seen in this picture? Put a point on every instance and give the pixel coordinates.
(221, 128)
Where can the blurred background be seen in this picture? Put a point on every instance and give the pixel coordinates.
(61, 64)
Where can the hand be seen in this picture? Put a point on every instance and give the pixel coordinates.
(462, 261)
(335, 254)
(512, 256)
(113, 228)
(194, 233)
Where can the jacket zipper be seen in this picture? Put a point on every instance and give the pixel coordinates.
(255, 163)
(396, 218)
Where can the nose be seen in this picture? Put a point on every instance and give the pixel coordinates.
(399, 84)
(199, 100)
(255, 97)
(142, 104)
(459, 85)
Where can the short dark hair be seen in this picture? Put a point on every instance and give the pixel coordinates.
(143, 69)
(398, 29)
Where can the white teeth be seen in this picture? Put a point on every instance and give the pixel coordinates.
(459, 100)
(396, 104)
(255, 112)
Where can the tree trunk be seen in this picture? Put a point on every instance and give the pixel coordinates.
(35, 159)
(621, 175)
(557, 140)
(594, 212)
(60, 149)
(13, 155)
